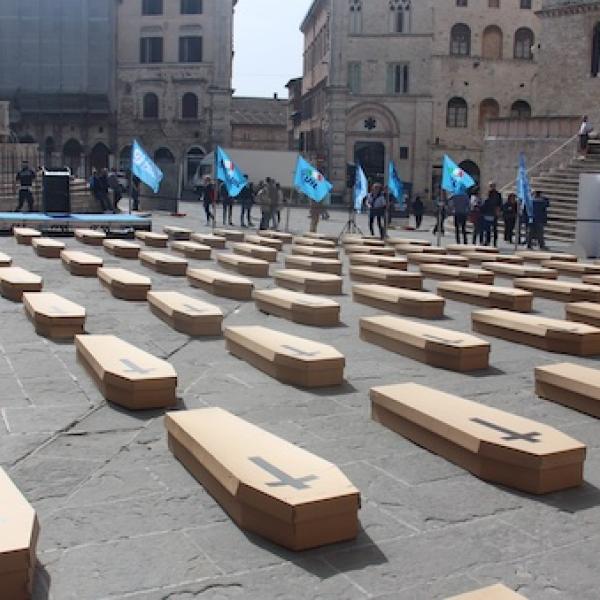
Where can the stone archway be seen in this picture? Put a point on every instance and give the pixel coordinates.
(100, 156)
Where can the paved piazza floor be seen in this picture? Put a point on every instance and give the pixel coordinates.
(121, 518)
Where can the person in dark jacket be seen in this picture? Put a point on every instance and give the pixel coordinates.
(227, 202)
(418, 210)
(540, 219)
(117, 190)
(102, 190)
(509, 216)
(207, 193)
(377, 204)
(25, 178)
(460, 205)
(492, 207)
(246, 201)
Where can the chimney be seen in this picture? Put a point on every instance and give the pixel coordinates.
(275, 96)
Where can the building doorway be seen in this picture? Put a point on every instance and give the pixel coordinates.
(371, 157)
(100, 157)
(72, 152)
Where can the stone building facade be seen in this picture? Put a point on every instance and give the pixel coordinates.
(259, 123)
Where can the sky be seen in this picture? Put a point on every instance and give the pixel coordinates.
(267, 45)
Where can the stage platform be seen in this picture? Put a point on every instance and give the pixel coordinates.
(65, 224)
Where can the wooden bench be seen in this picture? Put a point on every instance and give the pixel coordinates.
(573, 269)
(452, 273)
(462, 248)
(399, 301)
(584, 312)
(177, 233)
(47, 247)
(287, 358)
(552, 335)
(54, 317)
(192, 250)
(221, 284)
(489, 257)
(244, 265)
(14, 281)
(314, 263)
(230, 235)
(152, 239)
(298, 307)
(310, 241)
(125, 374)
(413, 249)
(122, 248)
(422, 258)
(90, 237)
(286, 238)
(535, 256)
(431, 345)
(489, 296)
(124, 284)
(19, 532)
(390, 277)
(264, 241)
(186, 314)
(255, 251)
(563, 291)
(207, 239)
(316, 251)
(375, 250)
(571, 385)
(5, 260)
(309, 282)
(167, 264)
(511, 271)
(494, 445)
(24, 235)
(267, 485)
(373, 260)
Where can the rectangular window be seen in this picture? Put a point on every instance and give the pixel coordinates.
(191, 7)
(525, 4)
(461, 3)
(152, 7)
(403, 152)
(354, 77)
(151, 50)
(190, 49)
(398, 79)
(494, 3)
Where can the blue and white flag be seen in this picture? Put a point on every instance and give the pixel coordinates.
(310, 182)
(396, 186)
(144, 168)
(524, 188)
(229, 173)
(361, 188)
(454, 179)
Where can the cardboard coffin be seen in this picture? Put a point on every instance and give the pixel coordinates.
(90, 237)
(490, 296)
(535, 256)
(14, 281)
(19, 531)
(314, 263)
(167, 264)
(125, 374)
(152, 239)
(287, 358)
(462, 248)
(552, 335)
(298, 307)
(208, 239)
(255, 251)
(124, 284)
(485, 257)
(221, 284)
(265, 484)
(399, 301)
(396, 241)
(414, 249)
(24, 235)
(191, 249)
(177, 233)
(431, 345)
(452, 273)
(574, 269)
(54, 317)
(265, 241)
(506, 270)
(391, 277)
(309, 282)
(317, 251)
(591, 279)
(375, 250)
(493, 592)
(186, 314)
(564, 291)
(373, 260)
(319, 236)
(311, 241)
(571, 385)
(230, 235)
(47, 247)
(362, 240)
(5, 260)
(494, 445)
(122, 248)
(583, 312)
(244, 265)
(437, 259)
(81, 264)
(286, 238)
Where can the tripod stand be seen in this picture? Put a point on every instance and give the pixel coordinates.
(350, 226)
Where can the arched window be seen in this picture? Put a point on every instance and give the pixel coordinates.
(460, 40)
(189, 106)
(193, 167)
(72, 152)
(491, 46)
(164, 156)
(523, 43)
(596, 50)
(457, 113)
(100, 156)
(355, 16)
(520, 110)
(488, 109)
(400, 12)
(26, 138)
(150, 106)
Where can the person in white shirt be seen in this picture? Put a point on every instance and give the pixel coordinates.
(584, 135)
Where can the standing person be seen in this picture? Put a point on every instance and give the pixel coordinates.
(263, 200)
(25, 178)
(440, 216)
(315, 215)
(494, 209)
(115, 186)
(418, 210)
(476, 217)
(377, 203)
(246, 200)
(227, 202)
(135, 193)
(540, 218)
(207, 194)
(509, 216)
(102, 185)
(584, 135)
(273, 189)
(460, 204)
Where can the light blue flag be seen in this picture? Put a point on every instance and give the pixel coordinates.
(396, 186)
(454, 179)
(144, 168)
(524, 188)
(229, 173)
(310, 182)
(361, 188)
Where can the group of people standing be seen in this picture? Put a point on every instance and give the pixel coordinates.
(108, 190)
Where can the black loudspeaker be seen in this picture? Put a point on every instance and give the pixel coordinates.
(350, 175)
(56, 193)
